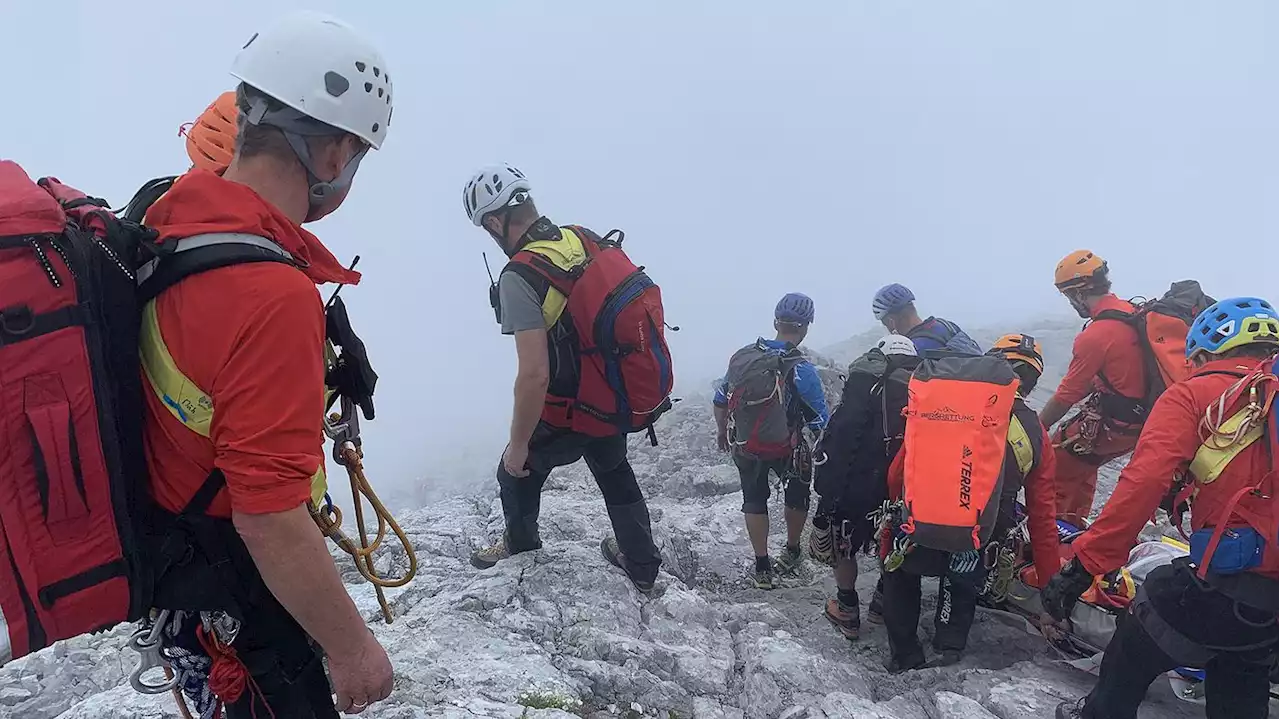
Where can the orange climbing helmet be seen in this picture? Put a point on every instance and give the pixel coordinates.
(1080, 270)
(1020, 348)
(211, 139)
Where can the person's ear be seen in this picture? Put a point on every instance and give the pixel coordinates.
(492, 224)
(334, 155)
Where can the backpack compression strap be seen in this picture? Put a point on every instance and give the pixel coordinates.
(201, 253)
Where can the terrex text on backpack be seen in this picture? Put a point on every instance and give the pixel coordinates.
(1162, 326)
(73, 474)
(625, 374)
(758, 425)
(958, 411)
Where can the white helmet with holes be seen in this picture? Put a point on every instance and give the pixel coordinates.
(322, 68)
(493, 188)
(896, 345)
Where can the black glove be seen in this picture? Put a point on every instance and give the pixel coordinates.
(1059, 596)
(352, 376)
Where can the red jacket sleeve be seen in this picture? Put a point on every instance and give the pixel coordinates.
(269, 402)
(1041, 512)
(1168, 440)
(1087, 356)
(897, 472)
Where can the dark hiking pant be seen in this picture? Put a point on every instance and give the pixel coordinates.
(606, 457)
(1178, 620)
(285, 665)
(754, 476)
(957, 603)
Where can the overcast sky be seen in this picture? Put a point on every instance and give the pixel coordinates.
(748, 149)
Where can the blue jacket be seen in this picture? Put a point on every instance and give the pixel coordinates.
(936, 333)
(805, 386)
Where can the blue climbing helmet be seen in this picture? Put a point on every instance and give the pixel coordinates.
(794, 308)
(891, 298)
(1231, 323)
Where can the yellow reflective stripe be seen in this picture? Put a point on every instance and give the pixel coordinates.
(1020, 441)
(565, 253)
(189, 404)
(1211, 459)
(319, 486)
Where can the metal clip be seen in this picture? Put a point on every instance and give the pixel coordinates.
(146, 642)
(221, 626)
(342, 427)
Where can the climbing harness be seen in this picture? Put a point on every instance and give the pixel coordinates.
(195, 650)
(1079, 434)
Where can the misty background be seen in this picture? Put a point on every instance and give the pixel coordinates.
(747, 149)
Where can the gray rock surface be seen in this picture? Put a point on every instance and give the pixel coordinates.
(561, 626)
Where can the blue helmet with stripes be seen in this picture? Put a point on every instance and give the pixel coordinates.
(891, 298)
(794, 308)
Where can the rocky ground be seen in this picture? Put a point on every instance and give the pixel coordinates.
(563, 630)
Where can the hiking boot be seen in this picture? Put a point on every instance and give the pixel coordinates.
(1071, 710)
(613, 555)
(844, 618)
(822, 546)
(791, 560)
(875, 608)
(489, 556)
(763, 579)
(946, 658)
(898, 666)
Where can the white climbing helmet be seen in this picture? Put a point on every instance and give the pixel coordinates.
(896, 345)
(493, 188)
(324, 69)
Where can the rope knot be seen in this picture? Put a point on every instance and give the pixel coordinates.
(228, 676)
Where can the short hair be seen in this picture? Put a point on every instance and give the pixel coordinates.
(1253, 350)
(265, 139)
(253, 140)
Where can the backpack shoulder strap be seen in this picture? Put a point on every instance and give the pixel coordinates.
(1026, 443)
(561, 278)
(1126, 317)
(200, 253)
(136, 209)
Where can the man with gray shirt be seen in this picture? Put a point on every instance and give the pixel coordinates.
(533, 311)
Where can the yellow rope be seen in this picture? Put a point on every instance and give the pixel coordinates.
(329, 520)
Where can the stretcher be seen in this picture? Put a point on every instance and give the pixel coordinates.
(1093, 619)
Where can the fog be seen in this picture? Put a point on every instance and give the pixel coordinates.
(748, 149)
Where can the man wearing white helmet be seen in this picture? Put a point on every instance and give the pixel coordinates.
(248, 339)
(864, 433)
(545, 430)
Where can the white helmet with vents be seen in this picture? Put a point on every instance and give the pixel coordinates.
(493, 188)
(896, 345)
(322, 68)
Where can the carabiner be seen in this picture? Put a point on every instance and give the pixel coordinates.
(146, 642)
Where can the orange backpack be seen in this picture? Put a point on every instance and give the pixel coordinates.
(958, 411)
(1162, 327)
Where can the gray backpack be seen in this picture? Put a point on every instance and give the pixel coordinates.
(757, 392)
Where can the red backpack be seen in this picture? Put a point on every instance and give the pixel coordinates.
(1162, 325)
(73, 474)
(625, 373)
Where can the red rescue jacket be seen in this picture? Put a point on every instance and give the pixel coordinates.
(1168, 443)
